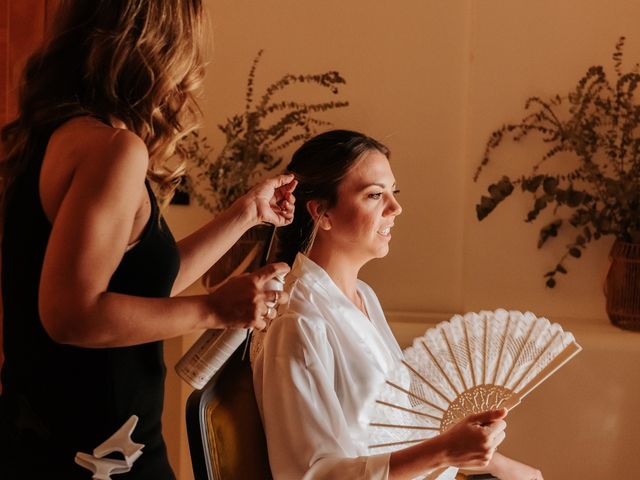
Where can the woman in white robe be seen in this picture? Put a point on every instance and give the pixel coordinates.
(327, 354)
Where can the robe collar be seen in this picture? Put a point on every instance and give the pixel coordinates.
(312, 275)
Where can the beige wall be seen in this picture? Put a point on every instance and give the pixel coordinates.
(432, 79)
(521, 49)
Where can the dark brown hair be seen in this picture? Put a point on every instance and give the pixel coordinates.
(320, 165)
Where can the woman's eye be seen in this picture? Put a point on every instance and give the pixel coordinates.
(396, 192)
(375, 196)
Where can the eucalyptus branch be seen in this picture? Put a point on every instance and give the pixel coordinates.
(598, 121)
(256, 138)
(250, 81)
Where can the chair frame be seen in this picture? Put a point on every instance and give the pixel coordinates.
(199, 443)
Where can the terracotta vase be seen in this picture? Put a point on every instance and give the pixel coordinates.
(622, 287)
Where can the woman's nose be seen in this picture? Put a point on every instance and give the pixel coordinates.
(394, 207)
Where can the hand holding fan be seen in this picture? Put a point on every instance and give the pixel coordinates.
(466, 365)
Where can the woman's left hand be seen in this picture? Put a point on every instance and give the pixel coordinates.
(272, 200)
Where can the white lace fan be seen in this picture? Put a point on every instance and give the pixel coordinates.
(466, 365)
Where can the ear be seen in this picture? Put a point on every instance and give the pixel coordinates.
(318, 212)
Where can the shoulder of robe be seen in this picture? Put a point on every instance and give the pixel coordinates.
(296, 328)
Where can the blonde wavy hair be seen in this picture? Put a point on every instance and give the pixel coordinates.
(140, 61)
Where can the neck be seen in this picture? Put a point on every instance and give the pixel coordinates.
(340, 267)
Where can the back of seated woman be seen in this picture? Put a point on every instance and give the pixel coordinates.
(326, 355)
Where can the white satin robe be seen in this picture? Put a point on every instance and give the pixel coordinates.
(321, 364)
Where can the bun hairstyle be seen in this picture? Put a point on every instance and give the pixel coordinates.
(320, 165)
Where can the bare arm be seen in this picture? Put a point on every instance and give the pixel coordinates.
(90, 232)
(270, 201)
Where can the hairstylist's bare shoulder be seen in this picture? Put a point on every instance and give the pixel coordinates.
(89, 142)
(95, 158)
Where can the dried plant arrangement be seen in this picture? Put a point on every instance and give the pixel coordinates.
(256, 139)
(593, 143)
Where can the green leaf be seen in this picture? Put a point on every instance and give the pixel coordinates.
(549, 185)
(550, 230)
(532, 215)
(561, 195)
(485, 207)
(506, 186)
(540, 203)
(531, 184)
(495, 192)
(499, 191)
(574, 198)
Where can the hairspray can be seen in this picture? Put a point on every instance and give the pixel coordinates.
(207, 355)
(214, 347)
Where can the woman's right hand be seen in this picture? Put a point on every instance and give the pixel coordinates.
(241, 301)
(271, 201)
(473, 440)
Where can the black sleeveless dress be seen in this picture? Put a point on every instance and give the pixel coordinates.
(58, 399)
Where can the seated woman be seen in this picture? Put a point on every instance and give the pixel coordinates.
(325, 357)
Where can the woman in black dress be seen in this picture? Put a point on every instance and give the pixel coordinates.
(89, 268)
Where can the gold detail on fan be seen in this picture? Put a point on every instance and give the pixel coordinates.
(477, 399)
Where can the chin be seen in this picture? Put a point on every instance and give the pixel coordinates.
(383, 252)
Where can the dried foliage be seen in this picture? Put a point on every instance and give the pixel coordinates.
(593, 137)
(256, 139)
